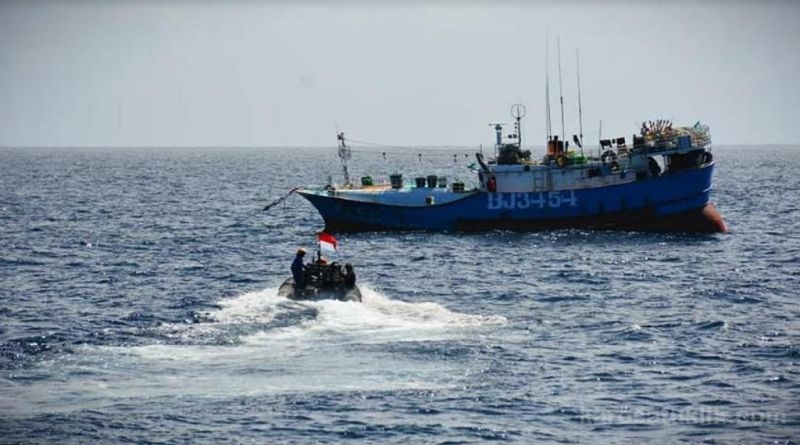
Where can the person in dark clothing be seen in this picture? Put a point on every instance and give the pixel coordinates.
(298, 272)
(349, 277)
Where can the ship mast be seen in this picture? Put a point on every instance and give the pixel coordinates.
(344, 155)
(580, 110)
(548, 122)
(560, 92)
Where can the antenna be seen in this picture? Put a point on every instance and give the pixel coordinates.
(518, 111)
(580, 110)
(498, 132)
(600, 138)
(344, 155)
(600, 132)
(560, 92)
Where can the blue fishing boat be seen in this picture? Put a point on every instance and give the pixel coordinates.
(661, 182)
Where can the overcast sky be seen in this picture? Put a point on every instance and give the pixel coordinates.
(248, 73)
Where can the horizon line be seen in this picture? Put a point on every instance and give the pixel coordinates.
(387, 148)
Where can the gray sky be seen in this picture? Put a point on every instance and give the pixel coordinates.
(245, 73)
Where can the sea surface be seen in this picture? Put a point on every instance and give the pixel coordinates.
(138, 305)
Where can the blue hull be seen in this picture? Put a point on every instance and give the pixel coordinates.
(671, 202)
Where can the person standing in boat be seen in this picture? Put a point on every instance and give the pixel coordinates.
(349, 277)
(298, 269)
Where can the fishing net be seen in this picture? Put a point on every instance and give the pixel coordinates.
(662, 134)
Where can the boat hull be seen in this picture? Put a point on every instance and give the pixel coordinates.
(675, 202)
(311, 293)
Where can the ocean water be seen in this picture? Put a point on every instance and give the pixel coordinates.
(138, 304)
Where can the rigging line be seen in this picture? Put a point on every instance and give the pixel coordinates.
(373, 144)
(237, 222)
(406, 148)
(252, 215)
(429, 154)
(277, 201)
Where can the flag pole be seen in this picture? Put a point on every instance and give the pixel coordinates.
(319, 250)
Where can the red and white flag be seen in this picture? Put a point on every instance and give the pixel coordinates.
(327, 243)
